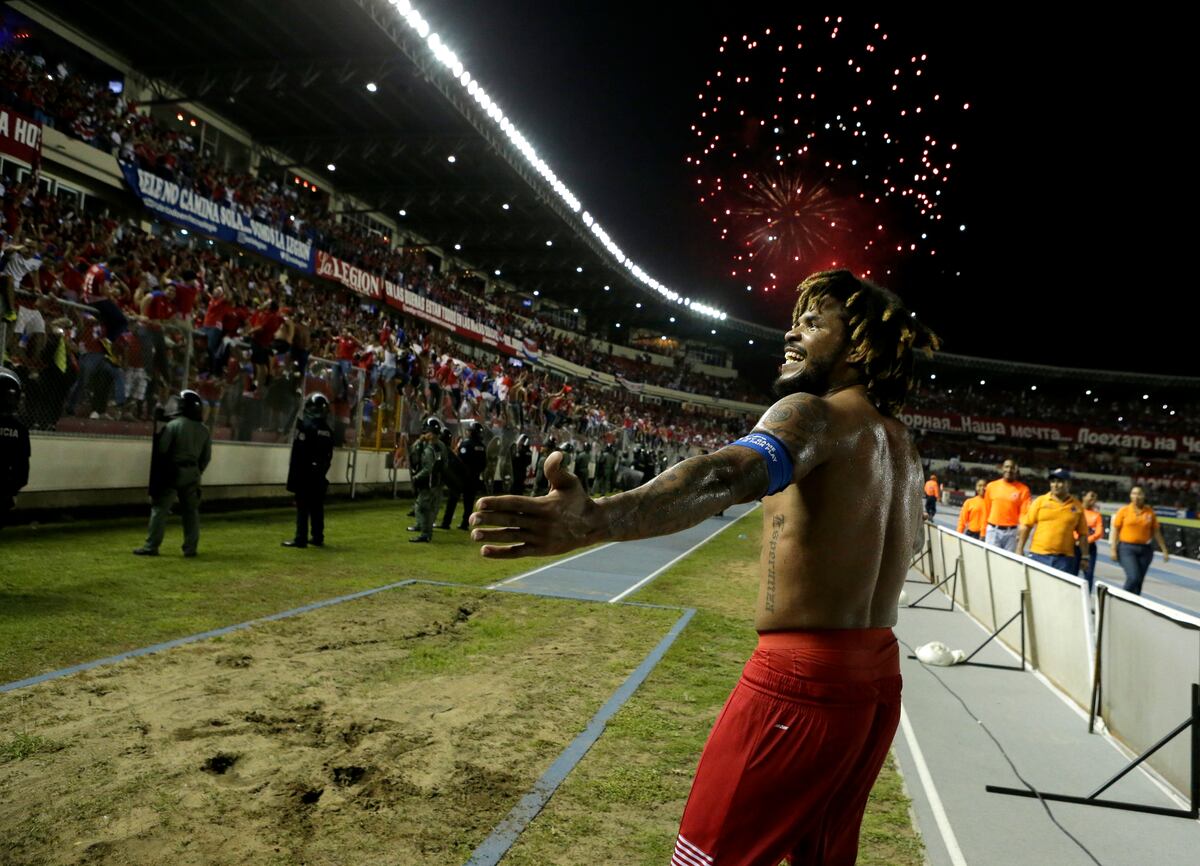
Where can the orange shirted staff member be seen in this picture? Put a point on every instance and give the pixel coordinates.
(1005, 501)
(933, 492)
(972, 520)
(1095, 523)
(1132, 528)
(1054, 519)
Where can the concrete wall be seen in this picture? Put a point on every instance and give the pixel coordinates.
(73, 471)
(80, 157)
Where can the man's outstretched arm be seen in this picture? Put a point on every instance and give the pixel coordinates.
(681, 497)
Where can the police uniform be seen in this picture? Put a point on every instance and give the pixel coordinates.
(604, 470)
(425, 464)
(472, 457)
(452, 477)
(182, 450)
(522, 456)
(582, 461)
(498, 475)
(312, 454)
(14, 444)
(540, 485)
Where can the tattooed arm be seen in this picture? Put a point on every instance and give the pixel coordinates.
(681, 497)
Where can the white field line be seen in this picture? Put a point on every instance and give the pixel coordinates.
(551, 565)
(931, 794)
(645, 580)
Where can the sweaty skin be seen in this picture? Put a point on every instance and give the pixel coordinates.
(837, 541)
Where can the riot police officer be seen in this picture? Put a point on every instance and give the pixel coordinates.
(540, 485)
(312, 453)
(604, 465)
(452, 476)
(182, 451)
(583, 461)
(643, 461)
(14, 444)
(498, 472)
(472, 456)
(425, 465)
(522, 456)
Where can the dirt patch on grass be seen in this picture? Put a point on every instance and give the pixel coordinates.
(395, 729)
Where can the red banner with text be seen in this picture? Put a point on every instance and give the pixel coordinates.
(20, 136)
(376, 287)
(1049, 432)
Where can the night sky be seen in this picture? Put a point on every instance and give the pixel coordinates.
(1065, 163)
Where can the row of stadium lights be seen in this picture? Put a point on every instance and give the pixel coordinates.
(447, 58)
(372, 88)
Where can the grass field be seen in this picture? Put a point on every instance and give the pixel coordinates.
(1181, 521)
(629, 791)
(74, 593)
(533, 666)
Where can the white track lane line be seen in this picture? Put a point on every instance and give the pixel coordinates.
(551, 565)
(931, 794)
(645, 580)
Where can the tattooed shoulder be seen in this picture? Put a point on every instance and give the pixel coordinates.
(797, 416)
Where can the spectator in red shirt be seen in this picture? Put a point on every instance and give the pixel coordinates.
(263, 325)
(214, 328)
(186, 291)
(344, 354)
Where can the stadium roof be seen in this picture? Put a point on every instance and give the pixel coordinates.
(294, 76)
(997, 365)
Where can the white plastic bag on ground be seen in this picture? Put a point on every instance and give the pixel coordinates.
(937, 653)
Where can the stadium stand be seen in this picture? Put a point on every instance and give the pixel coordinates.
(120, 309)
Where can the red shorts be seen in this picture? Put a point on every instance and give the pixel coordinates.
(791, 760)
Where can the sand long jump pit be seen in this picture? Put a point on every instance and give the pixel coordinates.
(399, 728)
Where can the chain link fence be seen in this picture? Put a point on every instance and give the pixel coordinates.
(88, 369)
(345, 386)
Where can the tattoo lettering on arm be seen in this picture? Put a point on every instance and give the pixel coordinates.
(776, 526)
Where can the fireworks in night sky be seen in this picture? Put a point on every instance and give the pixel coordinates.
(821, 145)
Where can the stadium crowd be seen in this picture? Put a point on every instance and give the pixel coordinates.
(1107, 406)
(111, 319)
(96, 115)
(160, 312)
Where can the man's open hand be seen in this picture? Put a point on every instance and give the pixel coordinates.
(564, 519)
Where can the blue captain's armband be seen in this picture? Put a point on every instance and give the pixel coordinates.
(779, 461)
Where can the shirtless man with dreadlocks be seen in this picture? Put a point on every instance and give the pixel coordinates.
(790, 762)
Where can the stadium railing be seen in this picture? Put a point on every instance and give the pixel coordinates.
(1133, 665)
(66, 381)
(1147, 661)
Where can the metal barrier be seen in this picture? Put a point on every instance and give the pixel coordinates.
(1138, 670)
(1033, 610)
(87, 369)
(1147, 662)
(345, 386)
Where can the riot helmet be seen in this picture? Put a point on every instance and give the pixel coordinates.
(191, 406)
(10, 392)
(316, 406)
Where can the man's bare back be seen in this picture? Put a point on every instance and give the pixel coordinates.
(836, 544)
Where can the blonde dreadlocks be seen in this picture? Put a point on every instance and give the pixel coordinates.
(883, 333)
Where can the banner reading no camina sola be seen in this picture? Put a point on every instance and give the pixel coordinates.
(197, 213)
